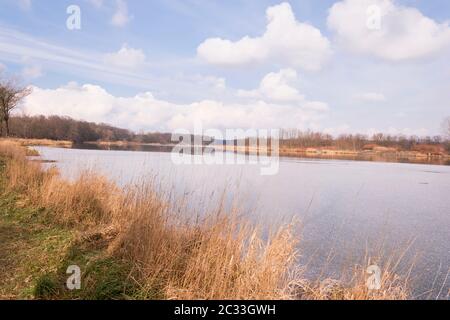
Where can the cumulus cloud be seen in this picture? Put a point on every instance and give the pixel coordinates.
(286, 42)
(276, 86)
(126, 57)
(403, 33)
(370, 97)
(145, 112)
(121, 16)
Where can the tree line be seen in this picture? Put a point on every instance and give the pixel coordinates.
(65, 128)
(308, 139)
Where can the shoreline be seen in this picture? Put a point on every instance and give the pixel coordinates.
(363, 155)
(413, 157)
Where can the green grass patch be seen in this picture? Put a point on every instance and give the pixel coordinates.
(102, 277)
(35, 253)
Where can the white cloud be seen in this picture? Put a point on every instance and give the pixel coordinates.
(404, 33)
(121, 16)
(286, 42)
(216, 83)
(219, 83)
(370, 97)
(32, 72)
(126, 57)
(145, 112)
(276, 86)
(20, 48)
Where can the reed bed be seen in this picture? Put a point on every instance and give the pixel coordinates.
(220, 256)
(39, 142)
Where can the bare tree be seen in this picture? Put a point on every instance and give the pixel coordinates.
(11, 94)
(446, 128)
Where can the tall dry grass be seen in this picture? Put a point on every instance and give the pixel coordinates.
(40, 142)
(221, 256)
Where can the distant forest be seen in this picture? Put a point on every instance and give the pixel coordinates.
(301, 139)
(65, 128)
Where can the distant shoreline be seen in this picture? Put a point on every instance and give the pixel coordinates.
(375, 155)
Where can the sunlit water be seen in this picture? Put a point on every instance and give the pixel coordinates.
(345, 207)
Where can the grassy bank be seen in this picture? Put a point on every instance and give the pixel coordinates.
(40, 142)
(130, 244)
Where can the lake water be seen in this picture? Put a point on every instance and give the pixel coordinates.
(345, 207)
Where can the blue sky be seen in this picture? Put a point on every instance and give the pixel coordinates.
(162, 64)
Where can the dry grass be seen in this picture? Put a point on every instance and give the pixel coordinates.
(393, 287)
(39, 142)
(218, 257)
(90, 201)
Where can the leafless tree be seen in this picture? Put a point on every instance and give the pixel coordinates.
(11, 94)
(446, 128)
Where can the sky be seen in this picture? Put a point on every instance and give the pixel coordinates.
(350, 66)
